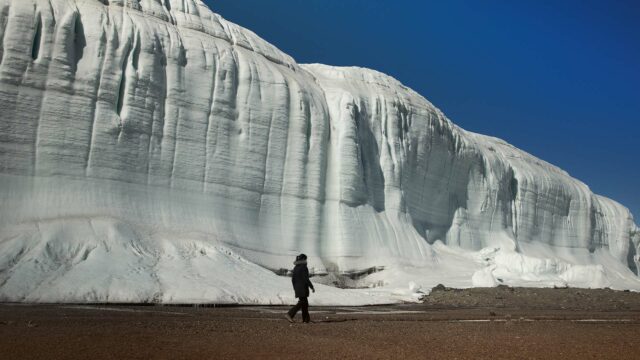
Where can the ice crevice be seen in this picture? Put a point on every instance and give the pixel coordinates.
(35, 50)
(152, 151)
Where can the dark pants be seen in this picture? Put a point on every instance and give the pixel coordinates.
(304, 305)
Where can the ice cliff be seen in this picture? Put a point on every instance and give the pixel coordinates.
(152, 151)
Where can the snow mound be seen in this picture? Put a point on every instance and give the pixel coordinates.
(98, 260)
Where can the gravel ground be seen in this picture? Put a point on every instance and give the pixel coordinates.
(500, 323)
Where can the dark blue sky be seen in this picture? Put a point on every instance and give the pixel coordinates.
(559, 79)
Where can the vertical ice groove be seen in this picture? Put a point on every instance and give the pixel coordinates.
(181, 63)
(307, 118)
(162, 54)
(104, 44)
(196, 9)
(42, 66)
(167, 116)
(124, 67)
(123, 86)
(283, 171)
(210, 122)
(136, 51)
(79, 41)
(52, 11)
(266, 160)
(150, 145)
(4, 16)
(174, 153)
(37, 38)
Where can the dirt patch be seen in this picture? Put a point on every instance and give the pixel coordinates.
(533, 298)
(496, 323)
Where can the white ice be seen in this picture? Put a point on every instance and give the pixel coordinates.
(151, 151)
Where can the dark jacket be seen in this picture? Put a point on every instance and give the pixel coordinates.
(300, 279)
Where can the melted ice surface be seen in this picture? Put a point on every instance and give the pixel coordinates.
(152, 151)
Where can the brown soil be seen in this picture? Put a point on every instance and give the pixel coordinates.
(451, 324)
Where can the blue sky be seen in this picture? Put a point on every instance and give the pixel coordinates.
(558, 79)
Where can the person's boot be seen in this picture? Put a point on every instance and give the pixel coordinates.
(289, 318)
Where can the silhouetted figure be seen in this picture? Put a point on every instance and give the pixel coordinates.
(301, 285)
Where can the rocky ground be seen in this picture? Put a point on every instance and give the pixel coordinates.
(450, 324)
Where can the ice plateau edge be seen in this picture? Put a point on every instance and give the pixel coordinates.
(151, 151)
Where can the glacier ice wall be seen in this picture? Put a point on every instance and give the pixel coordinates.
(130, 127)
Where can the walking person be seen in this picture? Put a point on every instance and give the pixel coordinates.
(301, 286)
